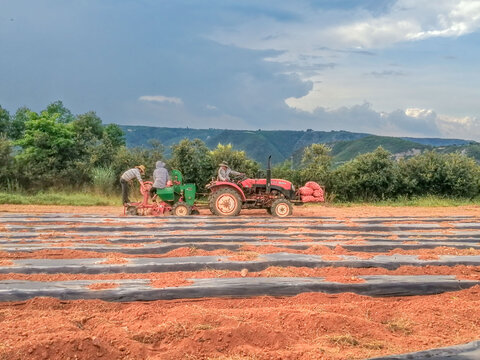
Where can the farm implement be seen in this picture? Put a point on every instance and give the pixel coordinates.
(178, 199)
(227, 198)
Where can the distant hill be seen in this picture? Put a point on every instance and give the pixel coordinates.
(286, 144)
(438, 141)
(281, 144)
(346, 150)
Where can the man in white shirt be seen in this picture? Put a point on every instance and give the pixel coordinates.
(127, 177)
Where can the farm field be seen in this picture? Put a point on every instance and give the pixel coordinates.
(327, 283)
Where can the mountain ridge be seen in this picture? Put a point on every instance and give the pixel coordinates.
(288, 144)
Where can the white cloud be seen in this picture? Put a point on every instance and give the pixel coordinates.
(412, 20)
(419, 113)
(161, 99)
(466, 127)
(320, 44)
(325, 30)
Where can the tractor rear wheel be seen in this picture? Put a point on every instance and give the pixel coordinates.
(225, 202)
(281, 208)
(181, 209)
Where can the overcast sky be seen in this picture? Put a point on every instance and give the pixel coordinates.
(388, 67)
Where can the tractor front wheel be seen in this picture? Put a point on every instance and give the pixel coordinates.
(281, 208)
(181, 209)
(225, 202)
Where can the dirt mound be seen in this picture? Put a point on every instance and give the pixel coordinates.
(307, 326)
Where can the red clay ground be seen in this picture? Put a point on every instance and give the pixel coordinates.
(307, 326)
(352, 211)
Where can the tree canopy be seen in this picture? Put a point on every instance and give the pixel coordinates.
(55, 148)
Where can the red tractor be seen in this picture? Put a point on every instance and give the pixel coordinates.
(274, 195)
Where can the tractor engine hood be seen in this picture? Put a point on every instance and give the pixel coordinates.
(284, 184)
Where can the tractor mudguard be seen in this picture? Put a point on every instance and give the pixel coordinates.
(289, 194)
(228, 184)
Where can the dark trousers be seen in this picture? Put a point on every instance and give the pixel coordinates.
(153, 191)
(124, 191)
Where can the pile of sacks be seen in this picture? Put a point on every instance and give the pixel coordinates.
(312, 192)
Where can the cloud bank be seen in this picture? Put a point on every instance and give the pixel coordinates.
(391, 67)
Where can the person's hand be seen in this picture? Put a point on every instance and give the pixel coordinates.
(169, 183)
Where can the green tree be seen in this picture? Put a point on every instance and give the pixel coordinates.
(88, 125)
(17, 125)
(113, 139)
(237, 160)
(286, 171)
(316, 164)
(88, 133)
(371, 176)
(432, 173)
(156, 150)
(97, 150)
(473, 151)
(462, 176)
(4, 121)
(193, 159)
(114, 134)
(6, 161)
(64, 115)
(126, 158)
(46, 157)
(422, 174)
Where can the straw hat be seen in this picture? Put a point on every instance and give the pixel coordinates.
(141, 168)
(223, 163)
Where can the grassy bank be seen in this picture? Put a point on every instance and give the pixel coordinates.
(96, 199)
(60, 198)
(423, 201)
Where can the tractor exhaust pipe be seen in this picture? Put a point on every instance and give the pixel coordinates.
(269, 174)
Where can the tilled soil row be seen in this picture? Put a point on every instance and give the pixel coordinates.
(94, 245)
(125, 259)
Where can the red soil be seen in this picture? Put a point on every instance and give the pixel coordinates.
(340, 274)
(307, 326)
(102, 286)
(115, 260)
(4, 262)
(245, 253)
(310, 210)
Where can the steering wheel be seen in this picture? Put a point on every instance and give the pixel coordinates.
(240, 177)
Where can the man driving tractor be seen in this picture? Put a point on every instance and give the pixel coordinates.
(224, 172)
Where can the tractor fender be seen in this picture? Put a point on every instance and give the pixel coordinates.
(237, 188)
(287, 193)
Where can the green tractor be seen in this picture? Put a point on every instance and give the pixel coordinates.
(180, 196)
(179, 199)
